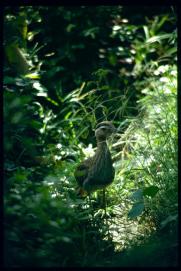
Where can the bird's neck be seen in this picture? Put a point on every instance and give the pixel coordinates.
(102, 150)
(102, 144)
(102, 159)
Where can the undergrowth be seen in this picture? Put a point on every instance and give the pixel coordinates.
(48, 131)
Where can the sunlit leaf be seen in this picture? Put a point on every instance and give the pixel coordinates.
(158, 38)
(32, 76)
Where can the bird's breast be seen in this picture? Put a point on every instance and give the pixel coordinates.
(102, 169)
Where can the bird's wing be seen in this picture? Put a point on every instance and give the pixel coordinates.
(81, 172)
(99, 176)
(92, 182)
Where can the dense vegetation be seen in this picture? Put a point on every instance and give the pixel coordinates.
(65, 69)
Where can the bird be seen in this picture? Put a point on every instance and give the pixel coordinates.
(97, 172)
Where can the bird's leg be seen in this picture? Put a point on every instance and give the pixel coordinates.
(90, 203)
(91, 206)
(105, 213)
(104, 201)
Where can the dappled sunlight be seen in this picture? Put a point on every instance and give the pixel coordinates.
(94, 82)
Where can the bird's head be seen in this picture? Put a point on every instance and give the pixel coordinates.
(104, 130)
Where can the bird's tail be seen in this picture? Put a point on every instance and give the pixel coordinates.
(81, 192)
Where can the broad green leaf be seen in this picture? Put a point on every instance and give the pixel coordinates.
(136, 210)
(137, 195)
(150, 191)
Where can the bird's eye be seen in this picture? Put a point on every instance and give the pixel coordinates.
(103, 128)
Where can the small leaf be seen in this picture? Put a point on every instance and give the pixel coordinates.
(136, 210)
(150, 191)
(33, 75)
(66, 239)
(54, 224)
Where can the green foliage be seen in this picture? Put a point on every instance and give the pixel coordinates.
(90, 64)
(153, 158)
(137, 197)
(151, 191)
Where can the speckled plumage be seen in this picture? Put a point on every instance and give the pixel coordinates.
(97, 172)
